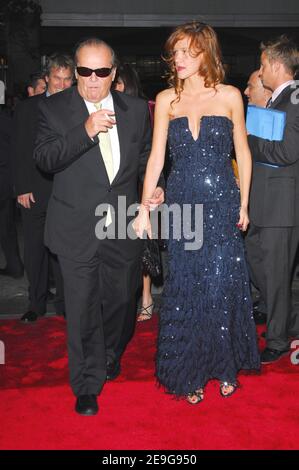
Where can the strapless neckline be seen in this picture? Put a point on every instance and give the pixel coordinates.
(207, 116)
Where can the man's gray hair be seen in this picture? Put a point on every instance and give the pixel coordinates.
(60, 61)
(95, 42)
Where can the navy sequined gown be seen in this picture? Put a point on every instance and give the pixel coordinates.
(207, 329)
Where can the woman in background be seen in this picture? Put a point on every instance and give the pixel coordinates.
(127, 81)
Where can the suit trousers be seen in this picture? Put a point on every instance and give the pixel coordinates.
(36, 260)
(270, 255)
(8, 237)
(101, 302)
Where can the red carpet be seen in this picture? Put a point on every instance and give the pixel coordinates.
(36, 403)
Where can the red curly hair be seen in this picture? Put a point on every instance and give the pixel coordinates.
(203, 39)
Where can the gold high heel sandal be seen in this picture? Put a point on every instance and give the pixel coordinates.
(226, 385)
(195, 397)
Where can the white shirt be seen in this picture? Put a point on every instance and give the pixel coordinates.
(280, 89)
(107, 103)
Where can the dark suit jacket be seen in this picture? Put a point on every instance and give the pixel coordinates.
(27, 177)
(81, 182)
(274, 197)
(6, 187)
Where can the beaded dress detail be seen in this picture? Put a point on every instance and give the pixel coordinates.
(206, 328)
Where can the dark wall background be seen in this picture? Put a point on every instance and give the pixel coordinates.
(137, 29)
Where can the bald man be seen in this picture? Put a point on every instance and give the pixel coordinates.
(255, 91)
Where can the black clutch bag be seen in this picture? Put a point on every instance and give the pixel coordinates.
(151, 259)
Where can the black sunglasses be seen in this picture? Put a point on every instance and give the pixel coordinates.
(87, 72)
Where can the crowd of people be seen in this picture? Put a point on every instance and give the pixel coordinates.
(84, 139)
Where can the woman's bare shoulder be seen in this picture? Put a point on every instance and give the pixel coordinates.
(164, 99)
(229, 91)
(166, 95)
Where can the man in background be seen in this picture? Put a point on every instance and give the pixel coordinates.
(37, 84)
(273, 208)
(8, 234)
(255, 91)
(257, 95)
(33, 189)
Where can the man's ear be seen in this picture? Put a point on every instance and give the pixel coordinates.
(276, 66)
(30, 91)
(114, 73)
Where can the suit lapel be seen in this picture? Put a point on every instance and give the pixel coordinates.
(281, 97)
(80, 112)
(78, 107)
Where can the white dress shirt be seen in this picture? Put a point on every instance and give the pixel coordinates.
(107, 103)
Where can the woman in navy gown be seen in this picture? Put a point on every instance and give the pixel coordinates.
(206, 323)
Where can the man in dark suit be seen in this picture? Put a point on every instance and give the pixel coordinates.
(8, 234)
(33, 188)
(273, 236)
(96, 143)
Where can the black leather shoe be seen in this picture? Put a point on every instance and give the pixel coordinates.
(86, 405)
(13, 274)
(260, 318)
(272, 355)
(113, 370)
(29, 317)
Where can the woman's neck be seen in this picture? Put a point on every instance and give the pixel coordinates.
(194, 85)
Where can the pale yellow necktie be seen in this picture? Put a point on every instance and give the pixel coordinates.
(106, 151)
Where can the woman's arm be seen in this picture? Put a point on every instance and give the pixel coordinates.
(155, 162)
(243, 154)
(157, 156)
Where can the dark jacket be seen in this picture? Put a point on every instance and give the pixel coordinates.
(6, 185)
(81, 182)
(27, 177)
(274, 197)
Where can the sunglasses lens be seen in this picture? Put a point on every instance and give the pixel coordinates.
(103, 72)
(84, 71)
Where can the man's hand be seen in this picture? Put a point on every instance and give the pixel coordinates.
(24, 200)
(156, 200)
(99, 121)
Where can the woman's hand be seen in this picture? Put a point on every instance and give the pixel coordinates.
(243, 220)
(157, 199)
(142, 222)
